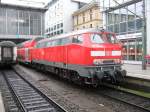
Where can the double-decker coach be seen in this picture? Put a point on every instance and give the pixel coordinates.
(24, 55)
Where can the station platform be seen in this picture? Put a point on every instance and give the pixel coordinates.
(2, 109)
(136, 71)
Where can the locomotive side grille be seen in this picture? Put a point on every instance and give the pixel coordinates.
(108, 62)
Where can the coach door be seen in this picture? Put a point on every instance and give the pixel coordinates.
(64, 43)
(26, 54)
(7, 53)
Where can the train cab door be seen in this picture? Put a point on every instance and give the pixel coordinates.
(26, 54)
(65, 56)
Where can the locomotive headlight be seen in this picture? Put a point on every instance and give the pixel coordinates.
(97, 61)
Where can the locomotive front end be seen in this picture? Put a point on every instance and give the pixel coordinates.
(106, 58)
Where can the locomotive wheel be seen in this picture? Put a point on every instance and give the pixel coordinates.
(119, 76)
(96, 82)
(95, 85)
(76, 78)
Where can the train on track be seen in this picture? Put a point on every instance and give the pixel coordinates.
(89, 56)
(8, 53)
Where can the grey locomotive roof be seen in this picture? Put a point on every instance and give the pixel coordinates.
(77, 32)
(7, 43)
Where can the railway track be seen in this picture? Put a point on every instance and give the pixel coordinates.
(9, 102)
(133, 100)
(27, 97)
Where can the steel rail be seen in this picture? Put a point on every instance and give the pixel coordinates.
(44, 95)
(122, 99)
(21, 89)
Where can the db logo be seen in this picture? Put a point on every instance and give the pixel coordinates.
(108, 53)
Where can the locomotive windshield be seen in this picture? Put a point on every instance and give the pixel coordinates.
(103, 38)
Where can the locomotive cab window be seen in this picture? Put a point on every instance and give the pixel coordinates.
(103, 38)
(97, 39)
(77, 39)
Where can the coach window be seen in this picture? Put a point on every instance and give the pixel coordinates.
(49, 43)
(38, 45)
(65, 41)
(77, 39)
(58, 42)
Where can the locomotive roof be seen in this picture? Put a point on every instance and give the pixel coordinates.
(7, 43)
(77, 32)
(30, 41)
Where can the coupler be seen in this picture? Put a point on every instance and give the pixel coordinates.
(113, 76)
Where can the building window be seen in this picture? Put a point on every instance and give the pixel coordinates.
(91, 26)
(91, 14)
(110, 28)
(83, 17)
(57, 25)
(116, 28)
(61, 31)
(131, 26)
(51, 29)
(57, 32)
(77, 20)
(123, 15)
(123, 27)
(61, 24)
(138, 24)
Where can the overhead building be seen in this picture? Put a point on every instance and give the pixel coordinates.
(21, 22)
(124, 17)
(58, 17)
(89, 16)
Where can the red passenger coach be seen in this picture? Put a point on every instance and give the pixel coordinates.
(24, 50)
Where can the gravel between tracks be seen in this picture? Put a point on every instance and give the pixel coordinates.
(73, 98)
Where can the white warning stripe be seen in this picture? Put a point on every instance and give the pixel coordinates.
(97, 53)
(116, 53)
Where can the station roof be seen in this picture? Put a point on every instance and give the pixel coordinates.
(22, 7)
(7, 43)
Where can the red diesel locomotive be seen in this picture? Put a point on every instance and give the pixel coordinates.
(86, 56)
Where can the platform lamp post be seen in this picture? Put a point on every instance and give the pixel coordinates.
(144, 38)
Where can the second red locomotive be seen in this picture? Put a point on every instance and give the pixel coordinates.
(86, 56)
